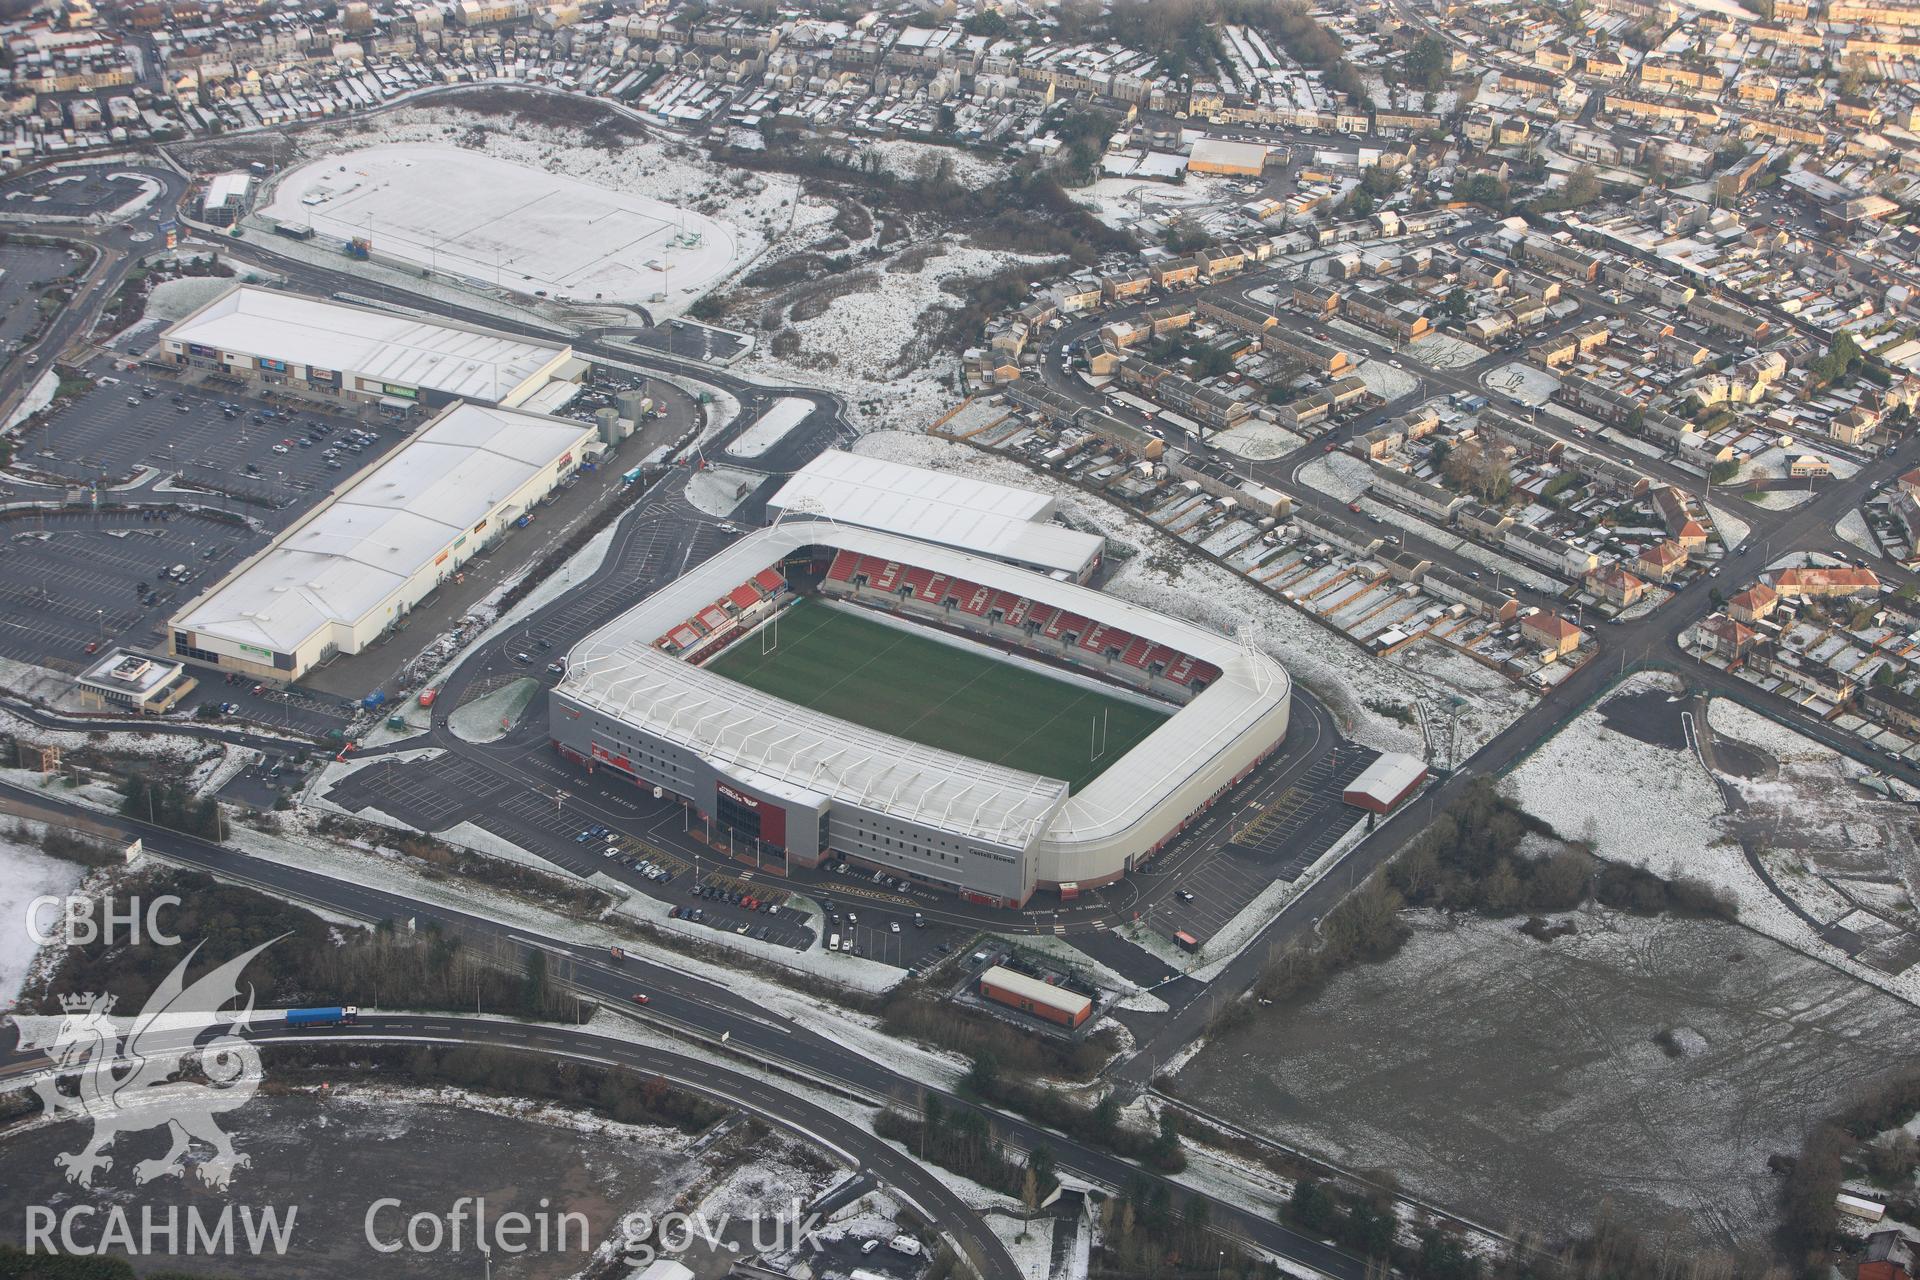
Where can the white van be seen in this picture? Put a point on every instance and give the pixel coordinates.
(833, 943)
(176, 572)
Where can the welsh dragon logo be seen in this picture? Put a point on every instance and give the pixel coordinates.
(127, 1070)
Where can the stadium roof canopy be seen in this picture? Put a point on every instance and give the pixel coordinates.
(434, 355)
(375, 534)
(935, 506)
(617, 671)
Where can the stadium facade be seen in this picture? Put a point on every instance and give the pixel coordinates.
(793, 784)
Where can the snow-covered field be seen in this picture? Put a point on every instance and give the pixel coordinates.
(26, 874)
(1633, 801)
(908, 159)
(172, 300)
(1338, 475)
(1257, 440)
(1525, 382)
(497, 222)
(1387, 382)
(871, 344)
(1519, 1082)
(1443, 351)
(1774, 463)
(1658, 807)
(754, 209)
(1121, 201)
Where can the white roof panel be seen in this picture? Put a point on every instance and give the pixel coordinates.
(935, 506)
(474, 364)
(349, 555)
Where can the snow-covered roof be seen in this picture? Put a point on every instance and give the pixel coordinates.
(617, 671)
(936, 506)
(474, 364)
(227, 187)
(350, 554)
(1388, 778)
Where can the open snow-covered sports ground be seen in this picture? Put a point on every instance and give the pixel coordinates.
(469, 214)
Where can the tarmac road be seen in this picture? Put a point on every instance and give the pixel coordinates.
(678, 1000)
(761, 1095)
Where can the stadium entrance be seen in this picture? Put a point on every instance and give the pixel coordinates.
(773, 825)
(750, 817)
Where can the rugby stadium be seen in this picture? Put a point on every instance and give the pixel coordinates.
(818, 690)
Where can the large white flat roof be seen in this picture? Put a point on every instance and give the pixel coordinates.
(350, 554)
(935, 506)
(474, 364)
(616, 670)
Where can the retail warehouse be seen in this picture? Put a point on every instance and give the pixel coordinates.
(317, 345)
(355, 565)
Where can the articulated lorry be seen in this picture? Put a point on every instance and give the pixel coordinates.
(334, 1016)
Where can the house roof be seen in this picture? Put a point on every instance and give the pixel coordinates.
(1839, 577)
(1663, 553)
(1551, 624)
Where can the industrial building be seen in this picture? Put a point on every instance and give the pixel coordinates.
(225, 202)
(805, 786)
(1030, 995)
(319, 346)
(357, 563)
(1383, 784)
(1217, 155)
(1008, 524)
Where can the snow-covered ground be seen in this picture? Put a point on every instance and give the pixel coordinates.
(1660, 808)
(1121, 201)
(1635, 802)
(1853, 528)
(1338, 475)
(491, 716)
(26, 874)
(469, 213)
(1387, 382)
(172, 300)
(1775, 462)
(1525, 382)
(35, 400)
(752, 208)
(1443, 351)
(717, 490)
(1733, 530)
(180, 748)
(872, 344)
(771, 427)
(908, 159)
(511, 225)
(1257, 440)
